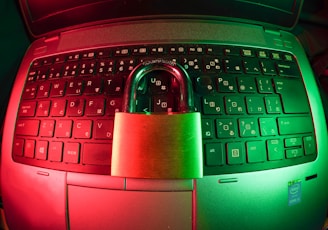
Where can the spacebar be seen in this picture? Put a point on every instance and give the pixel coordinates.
(97, 154)
(294, 125)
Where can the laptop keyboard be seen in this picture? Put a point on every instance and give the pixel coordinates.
(255, 111)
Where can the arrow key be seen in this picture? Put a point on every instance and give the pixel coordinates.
(275, 149)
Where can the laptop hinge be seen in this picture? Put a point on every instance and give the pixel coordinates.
(272, 31)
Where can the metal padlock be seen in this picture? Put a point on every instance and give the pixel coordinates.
(157, 145)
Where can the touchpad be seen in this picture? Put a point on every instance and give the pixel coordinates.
(92, 208)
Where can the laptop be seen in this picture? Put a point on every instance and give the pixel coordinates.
(261, 136)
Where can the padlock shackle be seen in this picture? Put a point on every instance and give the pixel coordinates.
(130, 91)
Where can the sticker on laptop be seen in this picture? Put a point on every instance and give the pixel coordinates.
(294, 192)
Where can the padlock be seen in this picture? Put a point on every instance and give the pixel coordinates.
(157, 145)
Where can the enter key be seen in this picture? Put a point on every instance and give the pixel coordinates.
(293, 95)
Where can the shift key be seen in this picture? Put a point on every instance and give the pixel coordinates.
(295, 125)
(26, 127)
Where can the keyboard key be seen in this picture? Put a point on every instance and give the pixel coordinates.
(58, 89)
(207, 128)
(103, 129)
(295, 125)
(44, 90)
(235, 153)
(41, 150)
(125, 65)
(87, 68)
(226, 128)
(140, 51)
(268, 126)
(233, 65)
(309, 145)
(195, 50)
(47, 128)
(215, 50)
(288, 57)
(114, 86)
(255, 105)
(234, 105)
(248, 127)
(55, 71)
(293, 153)
(93, 86)
(73, 57)
(113, 105)
(27, 109)
(288, 69)
(18, 147)
(82, 129)
(256, 151)
(275, 149)
(212, 65)
(43, 109)
(293, 142)
(95, 107)
(275, 56)
(159, 84)
(214, 154)
(192, 63)
(268, 67)
(264, 85)
(55, 151)
(106, 67)
(58, 108)
(163, 103)
(71, 153)
(246, 85)
(293, 95)
(74, 87)
(97, 154)
(251, 66)
(232, 51)
(29, 148)
(213, 105)
(103, 53)
(70, 69)
(26, 127)
(59, 59)
(204, 84)
(88, 55)
(122, 52)
(226, 84)
(75, 107)
(247, 52)
(30, 92)
(263, 54)
(273, 104)
(64, 128)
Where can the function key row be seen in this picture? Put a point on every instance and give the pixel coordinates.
(165, 50)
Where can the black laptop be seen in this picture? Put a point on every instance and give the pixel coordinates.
(262, 133)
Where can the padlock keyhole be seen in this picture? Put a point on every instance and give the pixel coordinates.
(158, 91)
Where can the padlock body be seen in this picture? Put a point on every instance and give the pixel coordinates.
(163, 146)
